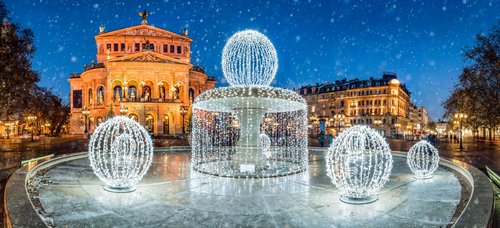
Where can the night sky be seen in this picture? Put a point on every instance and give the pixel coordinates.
(316, 41)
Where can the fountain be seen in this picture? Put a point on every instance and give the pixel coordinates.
(230, 125)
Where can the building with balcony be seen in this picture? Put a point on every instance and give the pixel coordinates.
(143, 72)
(382, 103)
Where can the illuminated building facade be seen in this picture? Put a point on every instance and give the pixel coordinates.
(382, 103)
(143, 72)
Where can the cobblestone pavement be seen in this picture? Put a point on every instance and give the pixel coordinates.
(13, 151)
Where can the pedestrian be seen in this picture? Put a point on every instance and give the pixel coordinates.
(321, 138)
(330, 138)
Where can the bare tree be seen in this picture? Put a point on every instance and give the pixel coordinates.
(477, 92)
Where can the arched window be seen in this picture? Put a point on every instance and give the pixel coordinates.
(117, 93)
(134, 117)
(132, 92)
(91, 98)
(150, 123)
(146, 93)
(100, 95)
(98, 121)
(191, 95)
(166, 125)
(163, 94)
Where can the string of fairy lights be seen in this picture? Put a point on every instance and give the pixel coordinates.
(120, 153)
(232, 135)
(249, 59)
(252, 130)
(423, 159)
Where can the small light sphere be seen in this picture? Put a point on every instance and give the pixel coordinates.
(423, 159)
(359, 163)
(266, 144)
(120, 153)
(249, 59)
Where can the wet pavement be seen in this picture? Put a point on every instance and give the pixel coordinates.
(13, 151)
(173, 195)
(478, 154)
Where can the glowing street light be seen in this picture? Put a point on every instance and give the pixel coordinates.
(338, 118)
(123, 110)
(460, 117)
(85, 113)
(32, 119)
(396, 126)
(183, 111)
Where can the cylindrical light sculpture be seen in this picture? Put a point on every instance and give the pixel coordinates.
(120, 153)
(359, 162)
(423, 159)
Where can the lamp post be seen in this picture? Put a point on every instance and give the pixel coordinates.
(460, 117)
(183, 111)
(377, 123)
(123, 110)
(396, 126)
(47, 128)
(85, 113)
(7, 129)
(338, 118)
(32, 119)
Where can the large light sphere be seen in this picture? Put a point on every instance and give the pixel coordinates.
(423, 159)
(120, 153)
(249, 59)
(359, 162)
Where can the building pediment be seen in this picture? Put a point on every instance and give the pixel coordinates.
(148, 57)
(144, 30)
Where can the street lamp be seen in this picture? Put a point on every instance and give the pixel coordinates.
(460, 117)
(32, 119)
(47, 128)
(7, 129)
(377, 123)
(184, 111)
(396, 126)
(338, 118)
(123, 110)
(85, 113)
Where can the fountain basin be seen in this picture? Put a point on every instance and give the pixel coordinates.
(64, 192)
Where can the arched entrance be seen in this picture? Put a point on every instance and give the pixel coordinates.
(150, 123)
(117, 93)
(166, 124)
(191, 95)
(134, 117)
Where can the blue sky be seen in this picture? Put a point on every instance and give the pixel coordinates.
(316, 41)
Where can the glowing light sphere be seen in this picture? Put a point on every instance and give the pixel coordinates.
(120, 153)
(423, 159)
(359, 162)
(249, 59)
